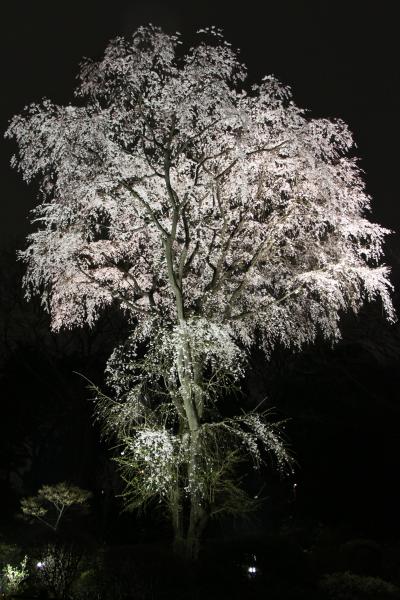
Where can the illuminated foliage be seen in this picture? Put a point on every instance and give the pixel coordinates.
(12, 578)
(52, 501)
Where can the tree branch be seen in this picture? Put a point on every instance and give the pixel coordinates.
(148, 208)
(251, 153)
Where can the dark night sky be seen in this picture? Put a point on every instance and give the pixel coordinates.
(339, 57)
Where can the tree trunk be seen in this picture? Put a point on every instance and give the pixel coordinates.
(187, 540)
(176, 510)
(197, 523)
(188, 528)
(197, 517)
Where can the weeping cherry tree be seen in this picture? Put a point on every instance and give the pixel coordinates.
(218, 218)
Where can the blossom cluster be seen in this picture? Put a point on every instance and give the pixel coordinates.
(152, 457)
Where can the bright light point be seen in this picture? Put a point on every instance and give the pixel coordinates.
(40, 564)
(252, 570)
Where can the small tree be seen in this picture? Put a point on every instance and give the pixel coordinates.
(217, 219)
(13, 578)
(57, 569)
(52, 502)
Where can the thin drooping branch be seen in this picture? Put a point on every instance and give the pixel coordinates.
(248, 154)
(115, 293)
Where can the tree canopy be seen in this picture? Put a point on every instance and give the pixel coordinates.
(57, 499)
